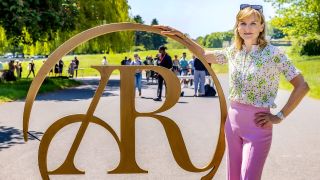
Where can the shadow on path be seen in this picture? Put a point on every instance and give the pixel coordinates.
(10, 136)
(85, 91)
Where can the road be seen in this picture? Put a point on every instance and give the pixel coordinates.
(294, 155)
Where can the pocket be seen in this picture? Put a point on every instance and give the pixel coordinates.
(268, 126)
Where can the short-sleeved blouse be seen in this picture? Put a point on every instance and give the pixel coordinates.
(254, 76)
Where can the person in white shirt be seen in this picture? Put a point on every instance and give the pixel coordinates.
(138, 76)
(104, 61)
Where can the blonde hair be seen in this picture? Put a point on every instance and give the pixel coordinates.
(242, 14)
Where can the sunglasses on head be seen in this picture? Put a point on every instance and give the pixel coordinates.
(256, 7)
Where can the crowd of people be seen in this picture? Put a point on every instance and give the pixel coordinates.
(190, 71)
(14, 71)
(72, 68)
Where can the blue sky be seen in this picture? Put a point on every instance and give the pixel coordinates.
(194, 17)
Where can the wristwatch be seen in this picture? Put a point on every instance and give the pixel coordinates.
(280, 115)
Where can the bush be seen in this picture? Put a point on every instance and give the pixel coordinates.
(309, 46)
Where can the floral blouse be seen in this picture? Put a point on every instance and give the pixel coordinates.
(254, 76)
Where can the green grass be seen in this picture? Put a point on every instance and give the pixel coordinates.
(86, 61)
(310, 67)
(10, 91)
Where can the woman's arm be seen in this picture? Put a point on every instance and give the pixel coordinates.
(211, 57)
(300, 90)
(169, 31)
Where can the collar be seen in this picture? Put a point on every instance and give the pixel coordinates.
(254, 48)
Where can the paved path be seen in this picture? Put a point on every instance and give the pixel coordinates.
(295, 152)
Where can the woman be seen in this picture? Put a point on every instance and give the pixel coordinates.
(138, 75)
(18, 70)
(254, 70)
(176, 65)
(61, 64)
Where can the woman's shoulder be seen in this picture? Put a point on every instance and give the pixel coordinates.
(231, 48)
(273, 49)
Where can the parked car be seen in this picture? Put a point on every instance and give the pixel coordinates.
(8, 55)
(37, 56)
(19, 55)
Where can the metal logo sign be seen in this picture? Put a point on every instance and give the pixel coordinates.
(128, 113)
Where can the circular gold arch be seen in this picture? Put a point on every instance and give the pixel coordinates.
(108, 28)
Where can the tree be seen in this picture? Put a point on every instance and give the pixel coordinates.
(139, 35)
(157, 40)
(41, 18)
(142, 37)
(99, 12)
(40, 26)
(216, 39)
(148, 40)
(273, 32)
(297, 18)
(3, 40)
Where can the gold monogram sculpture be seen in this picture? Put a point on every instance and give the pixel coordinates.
(128, 114)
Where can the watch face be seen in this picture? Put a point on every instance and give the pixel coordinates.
(280, 115)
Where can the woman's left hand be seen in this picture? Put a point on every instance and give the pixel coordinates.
(264, 119)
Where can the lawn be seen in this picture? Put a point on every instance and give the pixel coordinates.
(310, 68)
(309, 65)
(10, 91)
(86, 61)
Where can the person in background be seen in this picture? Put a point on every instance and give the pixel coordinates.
(184, 68)
(104, 61)
(191, 68)
(31, 68)
(152, 73)
(60, 64)
(11, 66)
(76, 65)
(184, 64)
(164, 61)
(18, 70)
(9, 75)
(199, 77)
(71, 68)
(128, 62)
(124, 61)
(176, 65)
(138, 76)
(56, 69)
(148, 62)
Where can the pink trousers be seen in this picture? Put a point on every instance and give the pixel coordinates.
(247, 144)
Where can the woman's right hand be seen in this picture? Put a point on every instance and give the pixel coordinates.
(169, 31)
(210, 57)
